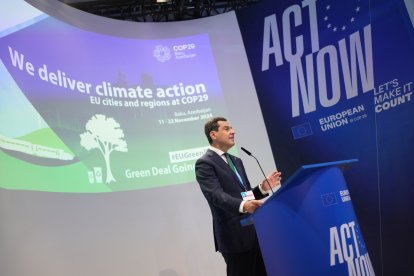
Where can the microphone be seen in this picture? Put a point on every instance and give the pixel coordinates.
(250, 154)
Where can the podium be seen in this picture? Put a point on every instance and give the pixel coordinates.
(309, 227)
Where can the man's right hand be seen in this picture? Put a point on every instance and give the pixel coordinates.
(251, 206)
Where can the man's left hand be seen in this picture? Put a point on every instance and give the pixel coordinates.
(274, 180)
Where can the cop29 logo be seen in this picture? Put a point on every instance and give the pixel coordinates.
(162, 53)
(184, 47)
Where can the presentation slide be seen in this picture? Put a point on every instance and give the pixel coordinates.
(107, 113)
(121, 111)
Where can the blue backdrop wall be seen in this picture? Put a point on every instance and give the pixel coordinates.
(335, 81)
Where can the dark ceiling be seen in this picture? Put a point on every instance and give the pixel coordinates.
(158, 10)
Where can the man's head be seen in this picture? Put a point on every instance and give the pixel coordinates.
(219, 133)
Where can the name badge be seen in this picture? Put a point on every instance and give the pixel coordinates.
(248, 195)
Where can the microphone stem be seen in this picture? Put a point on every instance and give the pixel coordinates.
(270, 187)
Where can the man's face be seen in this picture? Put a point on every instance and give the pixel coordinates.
(223, 138)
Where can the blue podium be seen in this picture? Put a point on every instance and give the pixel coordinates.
(309, 227)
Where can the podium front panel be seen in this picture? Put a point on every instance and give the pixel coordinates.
(310, 228)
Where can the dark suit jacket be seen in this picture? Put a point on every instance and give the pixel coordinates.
(221, 188)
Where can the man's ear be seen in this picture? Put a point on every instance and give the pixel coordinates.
(212, 135)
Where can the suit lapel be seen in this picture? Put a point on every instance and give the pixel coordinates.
(217, 159)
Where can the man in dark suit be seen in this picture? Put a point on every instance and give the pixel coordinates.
(225, 185)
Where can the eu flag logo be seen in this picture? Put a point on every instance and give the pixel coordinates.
(302, 130)
(329, 199)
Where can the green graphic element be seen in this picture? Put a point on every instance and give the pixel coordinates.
(20, 169)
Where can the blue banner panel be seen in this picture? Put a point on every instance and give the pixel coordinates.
(335, 80)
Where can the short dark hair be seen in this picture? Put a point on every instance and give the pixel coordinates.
(212, 125)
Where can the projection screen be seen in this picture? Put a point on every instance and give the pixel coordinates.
(101, 122)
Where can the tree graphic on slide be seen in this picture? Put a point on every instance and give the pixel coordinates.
(104, 133)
